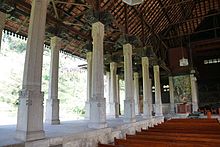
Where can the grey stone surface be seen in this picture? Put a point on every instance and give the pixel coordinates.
(77, 134)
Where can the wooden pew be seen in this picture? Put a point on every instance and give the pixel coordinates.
(147, 143)
(179, 134)
(193, 120)
(174, 138)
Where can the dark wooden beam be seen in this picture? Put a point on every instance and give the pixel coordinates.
(150, 27)
(126, 19)
(164, 11)
(27, 6)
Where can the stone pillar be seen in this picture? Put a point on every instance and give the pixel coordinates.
(118, 96)
(30, 109)
(158, 102)
(97, 102)
(194, 91)
(2, 25)
(52, 107)
(136, 93)
(89, 84)
(147, 90)
(113, 90)
(108, 91)
(171, 90)
(129, 112)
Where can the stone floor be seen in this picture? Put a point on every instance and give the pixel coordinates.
(7, 132)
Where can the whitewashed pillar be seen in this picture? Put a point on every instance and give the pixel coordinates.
(194, 91)
(158, 101)
(171, 90)
(147, 93)
(89, 84)
(129, 112)
(108, 91)
(136, 93)
(97, 102)
(118, 96)
(113, 90)
(52, 107)
(30, 109)
(2, 25)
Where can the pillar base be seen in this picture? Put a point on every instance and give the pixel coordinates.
(158, 110)
(147, 110)
(112, 113)
(87, 108)
(29, 136)
(137, 112)
(97, 114)
(30, 115)
(129, 115)
(194, 107)
(52, 111)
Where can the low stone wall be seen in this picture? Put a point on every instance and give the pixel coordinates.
(91, 138)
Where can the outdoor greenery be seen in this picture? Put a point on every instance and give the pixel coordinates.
(71, 86)
(72, 80)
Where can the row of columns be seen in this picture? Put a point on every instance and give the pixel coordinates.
(30, 111)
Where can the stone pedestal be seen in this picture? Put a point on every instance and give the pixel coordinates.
(89, 84)
(171, 90)
(194, 91)
(147, 93)
(129, 115)
(30, 115)
(52, 111)
(97, 114)
(136, 93)
(97, 101)
(30, 109)
(52, 107)
(129, 112)
(158, 101)
(2, 25)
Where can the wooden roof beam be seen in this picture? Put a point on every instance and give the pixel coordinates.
(164, 11)
(150, 27)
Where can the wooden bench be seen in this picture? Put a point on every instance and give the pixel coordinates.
(175, 133)
(199, 135)
(174, 138)
(148, 143)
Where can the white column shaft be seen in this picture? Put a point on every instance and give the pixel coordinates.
(97, 105)
(30, 110)
(171, 90)
(136, 93)
(147, 93)
(129, 112)
(113, 90)
(194, 92)
(89, 84)
(118, 96)
(52, 109)
(158, 102)
(2, 25)
(108, 91)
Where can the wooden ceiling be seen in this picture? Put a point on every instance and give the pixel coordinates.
(162, 24)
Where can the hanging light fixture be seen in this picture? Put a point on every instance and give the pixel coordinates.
(183, 61)
(133, 2)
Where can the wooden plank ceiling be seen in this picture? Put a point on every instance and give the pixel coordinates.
(163, 24)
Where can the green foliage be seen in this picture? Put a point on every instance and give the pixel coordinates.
(71, 85)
